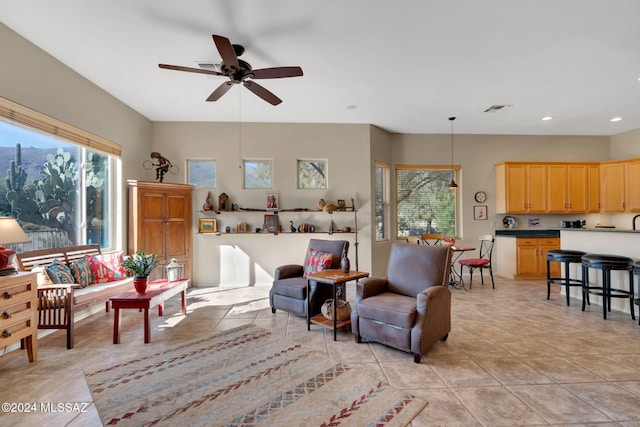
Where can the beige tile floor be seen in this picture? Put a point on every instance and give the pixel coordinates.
(512, 357)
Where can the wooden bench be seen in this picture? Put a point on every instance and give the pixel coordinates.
(57, 303)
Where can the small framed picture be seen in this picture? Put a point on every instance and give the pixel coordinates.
(273, 203)
(342, 206)
(242, 227)
(207, 225)
(480, 212)
(271, 223)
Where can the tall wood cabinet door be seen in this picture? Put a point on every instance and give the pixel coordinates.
(612, 188)
(151, 223)
(558, 197)
(516, 187)
(577, 184)
(633, 178)
(537, 186)
(594, 204)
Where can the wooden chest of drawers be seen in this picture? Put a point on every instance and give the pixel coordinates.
(18, 312)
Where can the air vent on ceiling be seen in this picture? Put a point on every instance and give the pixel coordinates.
(496, 108)
(209, 65)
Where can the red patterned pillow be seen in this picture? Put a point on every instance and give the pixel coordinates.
(317, 261)
(106, 267)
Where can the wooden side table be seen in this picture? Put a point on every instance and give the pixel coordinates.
(157, 292)
(18, 312)
(333, 278)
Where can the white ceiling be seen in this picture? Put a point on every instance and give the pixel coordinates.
(407, 64)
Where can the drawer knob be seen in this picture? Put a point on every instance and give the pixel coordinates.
(6, 334)
(7, 295)
(6, 315)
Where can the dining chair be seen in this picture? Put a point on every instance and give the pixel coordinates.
(432, 239)
(483, 261)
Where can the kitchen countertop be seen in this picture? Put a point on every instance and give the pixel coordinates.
(546, 232)
(605, 230)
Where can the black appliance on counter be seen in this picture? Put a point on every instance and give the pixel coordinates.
(578, 223)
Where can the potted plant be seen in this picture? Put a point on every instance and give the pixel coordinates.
(141, 265)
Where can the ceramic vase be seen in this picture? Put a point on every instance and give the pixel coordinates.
(140, 283)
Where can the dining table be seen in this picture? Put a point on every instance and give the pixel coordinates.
(455, 278)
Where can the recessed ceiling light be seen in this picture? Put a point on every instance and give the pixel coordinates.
(616, 119)
(352, 107)
(546, 118)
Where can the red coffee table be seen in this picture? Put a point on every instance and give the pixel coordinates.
(157, 292)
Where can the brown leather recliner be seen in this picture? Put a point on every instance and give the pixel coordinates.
(410, 309)
(289, 290)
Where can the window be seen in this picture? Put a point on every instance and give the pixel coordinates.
(61, 181)
(425, 204)
(201, 173)
(382, 201)
(258, 174)
(312, 174)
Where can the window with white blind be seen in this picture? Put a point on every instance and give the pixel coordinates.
(425, 204)
(382, 209)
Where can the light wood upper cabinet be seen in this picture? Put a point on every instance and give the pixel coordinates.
(594, 204)
(633, 189)
(568, 187)
(612, 186)
(521, 188)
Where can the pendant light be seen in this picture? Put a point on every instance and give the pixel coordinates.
(452, 185)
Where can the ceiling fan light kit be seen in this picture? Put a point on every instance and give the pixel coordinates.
(239, 71)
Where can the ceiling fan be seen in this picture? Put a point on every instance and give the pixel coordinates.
(239, 71)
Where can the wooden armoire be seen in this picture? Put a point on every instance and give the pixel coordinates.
(160, 223)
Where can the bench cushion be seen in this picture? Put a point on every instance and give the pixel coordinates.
(101, 291)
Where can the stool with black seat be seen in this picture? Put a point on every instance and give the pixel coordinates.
(636, 272)
(567, 257)
(607, 264)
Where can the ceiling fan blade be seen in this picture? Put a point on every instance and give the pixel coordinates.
(190, 70)
(276, 72)
(221, 90)
(262, 92)
(227, 53)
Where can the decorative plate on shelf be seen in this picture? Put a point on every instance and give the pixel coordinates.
(509, 222)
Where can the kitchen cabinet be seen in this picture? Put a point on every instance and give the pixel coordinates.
(594, 204)
(160, 223)
(633, 191)
(531, 256)
(568, 189)
(521, 188)
(18, 308)
(612, 186)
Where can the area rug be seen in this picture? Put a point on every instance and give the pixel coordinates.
(245, 377)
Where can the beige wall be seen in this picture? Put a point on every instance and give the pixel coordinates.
(477, 154)
(252, 258)
(34, 79)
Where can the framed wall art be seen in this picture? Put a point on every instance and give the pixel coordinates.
(207, 225)
(273, 202)
(480, 212)
(243, 227)
(271, 223)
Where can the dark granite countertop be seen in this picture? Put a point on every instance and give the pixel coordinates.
(549, 232)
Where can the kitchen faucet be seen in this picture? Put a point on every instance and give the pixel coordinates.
(634, 221)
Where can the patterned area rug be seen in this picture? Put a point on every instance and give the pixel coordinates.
(245, 377)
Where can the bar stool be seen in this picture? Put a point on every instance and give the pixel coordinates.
(606, 263)
(636, 272)
(567, 257)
